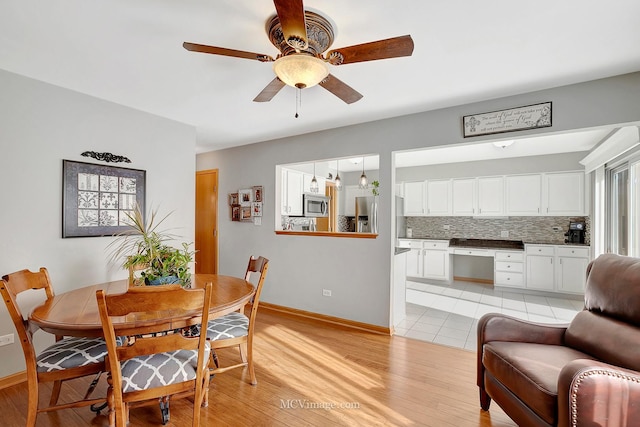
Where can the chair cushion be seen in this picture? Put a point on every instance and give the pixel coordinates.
(531, 372)
(70, 353)
(156, 370)
(231, 325)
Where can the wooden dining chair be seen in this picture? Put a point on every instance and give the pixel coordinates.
(149, 359)
(236, 329)
(67, 359)
(134, 276)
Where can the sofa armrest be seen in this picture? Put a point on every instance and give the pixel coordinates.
(500, 327)
(593, 393)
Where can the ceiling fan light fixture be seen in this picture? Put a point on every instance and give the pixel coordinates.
(300, 70)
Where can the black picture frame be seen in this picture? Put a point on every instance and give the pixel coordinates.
(96, 198)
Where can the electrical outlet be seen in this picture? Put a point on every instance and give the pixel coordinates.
(504, 233)
(6, 339)
(326, 292)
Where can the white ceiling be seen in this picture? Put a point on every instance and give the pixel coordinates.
(130, 52)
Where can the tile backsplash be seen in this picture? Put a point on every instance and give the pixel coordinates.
(529, 229)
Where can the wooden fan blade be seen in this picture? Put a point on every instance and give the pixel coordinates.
(381, 49)
(340, 89)
(194, 47)
(269, 91)
(291, 16)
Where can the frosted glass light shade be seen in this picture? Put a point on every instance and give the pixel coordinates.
(300, 70)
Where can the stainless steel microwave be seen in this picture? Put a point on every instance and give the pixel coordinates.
(315, 205)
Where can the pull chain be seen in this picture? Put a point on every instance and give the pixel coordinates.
(298, 100)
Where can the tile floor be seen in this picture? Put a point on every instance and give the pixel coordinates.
(448, 314)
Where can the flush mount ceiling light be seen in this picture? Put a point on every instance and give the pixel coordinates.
(503, 144)
(301, 70)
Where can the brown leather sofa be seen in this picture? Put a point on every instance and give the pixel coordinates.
(584, 374)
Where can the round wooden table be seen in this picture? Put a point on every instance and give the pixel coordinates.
(75, 313)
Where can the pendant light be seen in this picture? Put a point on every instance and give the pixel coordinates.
(364, 182)
(314, 182)
(338, 181)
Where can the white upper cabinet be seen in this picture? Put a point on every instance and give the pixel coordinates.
(523, 194)
(464, 196)
(414, 198)
(490, 196)
(439, 201)
(291, 192)
(544, 194)
(564, 193)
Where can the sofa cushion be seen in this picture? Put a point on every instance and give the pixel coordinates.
(531, 372)
(603, 338)
(612, 287)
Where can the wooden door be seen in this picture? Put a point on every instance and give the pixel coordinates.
(206, 244)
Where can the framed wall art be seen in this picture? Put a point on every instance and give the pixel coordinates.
(257, 193)
(245, 196)
(97, 198)
(256, 209)
(233, 199)
(245, 213)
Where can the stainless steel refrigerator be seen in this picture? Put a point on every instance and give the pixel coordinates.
(366, 214)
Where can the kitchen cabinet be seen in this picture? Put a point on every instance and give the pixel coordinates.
(571, 269)
(564, 193)
(540, 267)
(490, 196)
(414, 256)
(509, 269)
(557, 268)
(414, 198)
(523, 194)
(438, 197)
(427, 258)
(464, 196)
(291, 203)
(435, 259)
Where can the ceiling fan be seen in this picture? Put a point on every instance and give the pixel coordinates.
(302, 37)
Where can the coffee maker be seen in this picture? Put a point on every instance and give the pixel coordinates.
(576, 232)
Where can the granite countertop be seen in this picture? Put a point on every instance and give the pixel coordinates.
(493, 243)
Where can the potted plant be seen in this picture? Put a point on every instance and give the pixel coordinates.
(374, 190)
(145, 248)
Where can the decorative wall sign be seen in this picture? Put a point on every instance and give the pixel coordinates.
(106, 157)
(97, 198)
(513, 119)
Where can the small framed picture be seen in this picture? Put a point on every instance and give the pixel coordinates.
(257, 193)
(256, 208)
(245, 213)
(233, 199)
(235, 213)
(246, 197)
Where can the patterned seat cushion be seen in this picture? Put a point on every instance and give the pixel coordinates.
(70, 353)
(144, 372)
(232, 325)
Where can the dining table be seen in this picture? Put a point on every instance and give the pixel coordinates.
(75, 313)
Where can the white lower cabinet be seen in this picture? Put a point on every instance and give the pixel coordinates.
(427, 258)
(509, 269)
(556, 268)
(435, 260)
(571, 269)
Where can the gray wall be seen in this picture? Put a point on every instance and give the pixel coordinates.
(40, 125)
(358, 271)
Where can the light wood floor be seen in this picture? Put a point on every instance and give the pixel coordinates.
(311, 374)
